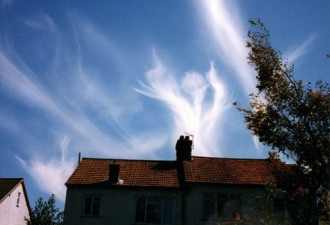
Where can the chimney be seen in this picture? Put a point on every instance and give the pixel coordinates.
(113, 172)
(183, 148)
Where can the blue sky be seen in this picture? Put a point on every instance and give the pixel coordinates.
(123, 79)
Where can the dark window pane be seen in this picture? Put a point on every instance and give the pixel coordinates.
(88, 205)
(232, 208)
(140, 210)
(96, 206)
(154, 213)
(208, 209)
(168, 211)
(235, 205)
(221, 208)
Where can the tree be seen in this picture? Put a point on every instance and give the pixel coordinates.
(45, 213)
(290, 117)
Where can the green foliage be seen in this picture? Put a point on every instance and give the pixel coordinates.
(290, 117)
(45, 213)
(272, 214)
(268, 208)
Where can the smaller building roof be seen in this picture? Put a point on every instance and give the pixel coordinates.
(8, 185)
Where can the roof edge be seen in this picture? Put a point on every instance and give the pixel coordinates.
(174, 160)
(11, 190)
(246, 159)
(134, 160)
(122, 186)
(26, 198)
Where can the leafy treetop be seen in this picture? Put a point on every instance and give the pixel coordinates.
(287, 115)
(45, 213)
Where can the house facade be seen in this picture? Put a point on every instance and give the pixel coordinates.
(14, 203)
(190, 190)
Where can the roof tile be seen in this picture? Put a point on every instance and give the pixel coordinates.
(145, 173)
(132, 172)
(227, 171)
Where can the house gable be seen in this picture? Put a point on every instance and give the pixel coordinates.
(14, 203)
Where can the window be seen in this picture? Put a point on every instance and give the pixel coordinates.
(154, 211)
(92, 206)
(18, 198)
(284, 209)
(221, 206)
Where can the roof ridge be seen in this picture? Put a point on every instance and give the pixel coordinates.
(247, 159)
(11, 178)
(134, 160)
(162, 160)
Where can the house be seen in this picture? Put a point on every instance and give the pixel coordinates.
(189, 190)
(14, 202)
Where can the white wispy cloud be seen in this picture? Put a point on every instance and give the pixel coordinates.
(51, 174)
(67, 102)
(23, 86)
(187, 101)
(226, 29)
(294, 54)
(224, 22)
(42, 22)
(97, 39)
(91, 138)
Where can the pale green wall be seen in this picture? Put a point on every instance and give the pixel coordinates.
(194, 201)
(117, 205)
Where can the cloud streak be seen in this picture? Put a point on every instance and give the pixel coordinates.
(296, 53)
(80, 106)
(44, 22)
(225, 26)
(223, 20)
(51, 174)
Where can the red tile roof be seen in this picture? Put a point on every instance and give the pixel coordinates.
(227, 171)
(141, 173)
(144, 173)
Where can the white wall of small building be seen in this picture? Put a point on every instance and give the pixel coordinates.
(12, 213)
